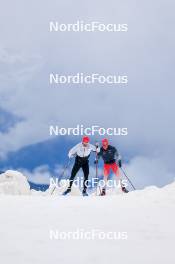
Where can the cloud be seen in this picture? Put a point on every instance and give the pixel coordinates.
(145, 171)
(145, 53)
(40, 175)
(7, 121)
(141, 171)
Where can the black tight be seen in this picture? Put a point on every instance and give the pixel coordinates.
(75, 169)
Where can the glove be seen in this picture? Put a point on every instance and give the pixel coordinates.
(70, 156)
(97, 145)
(119, 163)
(95, 161)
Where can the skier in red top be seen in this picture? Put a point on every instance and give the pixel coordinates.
(109, 155)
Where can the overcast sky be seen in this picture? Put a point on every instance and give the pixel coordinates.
(28, 53)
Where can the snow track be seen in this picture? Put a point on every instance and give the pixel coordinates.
(148, 217)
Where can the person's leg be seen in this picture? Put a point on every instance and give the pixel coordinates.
(106, 171)
(75, 169)
(85, 168)
(115, 169)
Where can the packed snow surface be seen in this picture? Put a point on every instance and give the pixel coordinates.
(13, 182)
(147, 217)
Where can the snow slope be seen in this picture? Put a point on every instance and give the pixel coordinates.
(148, 217)
(13, 182)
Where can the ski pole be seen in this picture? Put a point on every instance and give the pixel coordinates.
(62, 174)
(96, 168)
(96, 175)
(128, 178)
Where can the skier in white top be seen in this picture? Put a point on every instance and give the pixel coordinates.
(81, 152)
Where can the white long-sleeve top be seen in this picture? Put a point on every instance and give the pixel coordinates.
(82, 151)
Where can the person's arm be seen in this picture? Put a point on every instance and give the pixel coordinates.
(99, 154)
(73, 151)
(95, 148)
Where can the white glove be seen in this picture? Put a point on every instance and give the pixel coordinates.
(70, 156)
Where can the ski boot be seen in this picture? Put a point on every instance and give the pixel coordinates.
(67, 191)
(124, 190)
(84, 193)
(103, 192)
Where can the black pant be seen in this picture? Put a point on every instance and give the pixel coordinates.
(80, 163)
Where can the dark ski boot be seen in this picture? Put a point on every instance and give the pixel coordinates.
(103, 192)
(67, 191)
(124, 190)
(84, 193)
